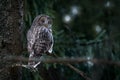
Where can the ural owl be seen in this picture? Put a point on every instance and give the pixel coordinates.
(39, 38)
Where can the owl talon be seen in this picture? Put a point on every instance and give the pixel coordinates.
(32, 68)
(36, 65)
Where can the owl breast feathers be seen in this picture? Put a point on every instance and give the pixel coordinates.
(43, 41)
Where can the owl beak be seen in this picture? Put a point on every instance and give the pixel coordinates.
(46, 25)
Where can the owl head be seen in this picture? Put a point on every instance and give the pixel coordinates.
(42, 20)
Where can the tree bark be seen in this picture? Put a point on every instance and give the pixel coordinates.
(10, 34)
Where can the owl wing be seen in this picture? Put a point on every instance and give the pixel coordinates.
(31, 39)
(43, 41)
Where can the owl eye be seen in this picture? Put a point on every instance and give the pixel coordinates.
(42, 20)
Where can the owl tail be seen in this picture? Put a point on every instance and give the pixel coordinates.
(32, 63)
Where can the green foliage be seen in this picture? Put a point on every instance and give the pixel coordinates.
(86, 34)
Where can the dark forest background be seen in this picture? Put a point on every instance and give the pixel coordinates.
(86, 29)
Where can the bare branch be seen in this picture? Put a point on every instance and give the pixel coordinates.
(79, 72)
(65, 60)
(75, 69)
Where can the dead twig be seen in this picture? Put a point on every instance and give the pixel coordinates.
(81, 73)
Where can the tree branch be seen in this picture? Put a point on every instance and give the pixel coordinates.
(79, 72)
(64, 60)
(75, 69)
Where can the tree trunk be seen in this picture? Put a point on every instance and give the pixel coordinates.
(10, 35)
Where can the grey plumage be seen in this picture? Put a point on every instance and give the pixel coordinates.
(39, 37)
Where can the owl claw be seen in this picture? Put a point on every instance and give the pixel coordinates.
(36, 65)
(30, 67)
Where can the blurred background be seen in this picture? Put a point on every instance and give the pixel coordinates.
(81, 28)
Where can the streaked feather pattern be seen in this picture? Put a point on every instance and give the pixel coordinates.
(39, 37)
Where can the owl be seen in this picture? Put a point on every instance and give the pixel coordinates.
(39, 38)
